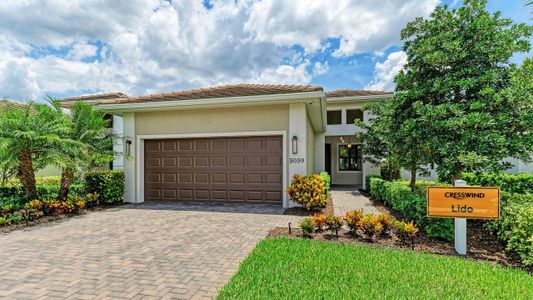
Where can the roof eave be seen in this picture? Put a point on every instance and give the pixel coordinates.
(359, 98)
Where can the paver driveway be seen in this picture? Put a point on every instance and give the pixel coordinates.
(144, 251)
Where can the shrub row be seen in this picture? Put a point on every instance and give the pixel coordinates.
(108, 184)
(412, 205)
(512, 183)
(309, 191)
(515, 225)
(35, 209)
(360, 224)
(16, 193)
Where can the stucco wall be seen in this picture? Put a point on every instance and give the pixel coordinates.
(258, 118)
(310, 147)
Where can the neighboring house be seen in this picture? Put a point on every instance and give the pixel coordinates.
(235, 143)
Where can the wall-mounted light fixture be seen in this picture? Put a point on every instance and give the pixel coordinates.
(128, 148)
(294, 144)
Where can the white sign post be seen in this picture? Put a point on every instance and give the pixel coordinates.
(460, 228)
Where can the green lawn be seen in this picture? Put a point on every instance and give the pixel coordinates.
(283, 268)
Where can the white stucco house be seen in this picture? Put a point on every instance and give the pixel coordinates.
(235, 143)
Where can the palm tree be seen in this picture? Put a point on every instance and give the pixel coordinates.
(28, 134)
(92, 147)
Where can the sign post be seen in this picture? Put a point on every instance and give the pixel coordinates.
(460, 228)
(461, 203)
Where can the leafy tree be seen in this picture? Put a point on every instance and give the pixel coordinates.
(92, 143)
(28, 134)
(395, 138)
(455, 92)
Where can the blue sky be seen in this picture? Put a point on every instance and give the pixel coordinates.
(149, 46)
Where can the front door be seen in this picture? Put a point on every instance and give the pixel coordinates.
(328, 158)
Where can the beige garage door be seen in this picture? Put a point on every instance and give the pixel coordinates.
(229, 169)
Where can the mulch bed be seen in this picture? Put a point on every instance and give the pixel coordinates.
(53, 218)
(300, 211)
(482, 246)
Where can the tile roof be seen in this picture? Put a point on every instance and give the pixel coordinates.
(348, 93)
(7, 103)
(232, 90)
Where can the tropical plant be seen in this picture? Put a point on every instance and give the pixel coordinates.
(307, 225)
(369, 225)
(308, 191)
(406, 232)
(352, 219)
(334, 223)
(28, 135)
(320, 221)
(93, 145)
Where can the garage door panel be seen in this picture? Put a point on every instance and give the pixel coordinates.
(234, 169)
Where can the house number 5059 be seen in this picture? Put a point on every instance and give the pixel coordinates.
(296, 160)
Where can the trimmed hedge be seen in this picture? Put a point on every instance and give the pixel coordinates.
(367, 180)
(108, 184)
(412, 205)
(512, 183)
(515, 225)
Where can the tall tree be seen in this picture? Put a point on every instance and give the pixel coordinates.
(457, 69)
(396, 136)
(28, 134)
(92, 143)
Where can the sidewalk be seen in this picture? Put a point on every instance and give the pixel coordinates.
(348, 198)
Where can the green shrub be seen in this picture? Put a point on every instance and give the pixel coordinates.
(327, 180)
(45, 190)
(367, 180)
(307, 225)
(308, 191)
(109, 184)
(334, 223)
(515, 225)
(412, 205)
(512, 183)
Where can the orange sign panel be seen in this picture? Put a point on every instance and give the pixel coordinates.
(463, 202)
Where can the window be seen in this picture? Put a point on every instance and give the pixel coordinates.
(353, 114)
(334, 117)
(350, 158)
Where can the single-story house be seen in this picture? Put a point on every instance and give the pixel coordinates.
(235, 143)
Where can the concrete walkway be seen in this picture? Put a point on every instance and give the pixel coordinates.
(348, 198)
(149, 251)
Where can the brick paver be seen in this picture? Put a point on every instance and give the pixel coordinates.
(347, 198)
(149, 251)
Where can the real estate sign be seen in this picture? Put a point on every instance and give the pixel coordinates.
(463, 202)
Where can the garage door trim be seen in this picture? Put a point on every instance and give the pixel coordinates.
(139, 153)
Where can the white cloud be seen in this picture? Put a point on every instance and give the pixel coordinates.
(361, 26)
(152, 45)
(82, 50)
(387, 70)
(320, 68)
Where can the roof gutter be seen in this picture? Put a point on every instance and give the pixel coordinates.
(359, 98)
(211, 102)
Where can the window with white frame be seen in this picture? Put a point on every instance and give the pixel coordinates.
(350, 157)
